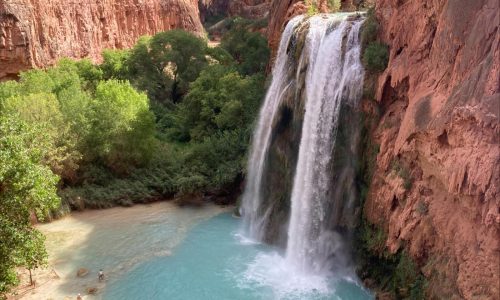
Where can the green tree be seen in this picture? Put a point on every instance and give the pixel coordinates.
(122, 127)
(166, 63)
(43, 110)
(220, 99)
(248, 48)
(115, 64)
(26, 187)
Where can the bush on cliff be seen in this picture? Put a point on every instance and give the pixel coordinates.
(376, 57)
(375, 53)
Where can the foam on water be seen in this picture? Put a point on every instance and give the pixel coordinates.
(214, 263)
(272, 270)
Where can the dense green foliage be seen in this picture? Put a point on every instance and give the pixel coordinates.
(26, 186)
(376, 57)
(122, 126)
(248, 48)
(375, 53)
(169, 117)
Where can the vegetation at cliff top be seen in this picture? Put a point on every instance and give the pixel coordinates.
(169, 117)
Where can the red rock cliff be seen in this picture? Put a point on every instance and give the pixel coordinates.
(436, 186)
(35, 33)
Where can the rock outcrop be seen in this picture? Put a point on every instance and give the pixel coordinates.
(436, 186)
(35, 33)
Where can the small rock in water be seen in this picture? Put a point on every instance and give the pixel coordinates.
(92, 290)
(82, 272)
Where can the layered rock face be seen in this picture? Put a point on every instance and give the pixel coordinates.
(250, 9)
(436, 186)
(35, 33)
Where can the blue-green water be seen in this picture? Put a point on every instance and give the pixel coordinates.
(213, 262)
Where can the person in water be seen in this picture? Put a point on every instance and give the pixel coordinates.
(79, 297)
(101, 275)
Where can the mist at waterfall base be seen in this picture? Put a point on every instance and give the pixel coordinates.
(214, 262)
(330, 71)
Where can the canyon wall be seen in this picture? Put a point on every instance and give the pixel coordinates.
(35, 33)
(436, 186)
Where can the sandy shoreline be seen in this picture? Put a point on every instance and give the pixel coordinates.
(114, 239)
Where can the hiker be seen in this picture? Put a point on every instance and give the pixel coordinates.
(101, 275)
(79, 297)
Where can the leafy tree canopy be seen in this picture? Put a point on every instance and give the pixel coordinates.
(26, 187)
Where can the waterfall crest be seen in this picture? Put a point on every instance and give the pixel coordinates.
(319, 59)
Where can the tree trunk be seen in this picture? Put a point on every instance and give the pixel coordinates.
(31, 277)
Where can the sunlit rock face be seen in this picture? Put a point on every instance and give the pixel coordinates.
(440, 108)
(35, 33)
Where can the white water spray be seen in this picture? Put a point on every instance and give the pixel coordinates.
(253, 218)
(334, 76)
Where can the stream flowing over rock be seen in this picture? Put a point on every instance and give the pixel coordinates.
(300, 183)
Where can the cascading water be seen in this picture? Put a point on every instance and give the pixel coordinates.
(318, 58)
(253, 217)
(300, 188)
(334, 75)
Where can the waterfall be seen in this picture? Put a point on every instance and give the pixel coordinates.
(326, 76)
(333, 76)
(250, 209)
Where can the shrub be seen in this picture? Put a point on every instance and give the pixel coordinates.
(403, 172)
(312, 8)
(334, 5)
(376, 57)
(370, 28)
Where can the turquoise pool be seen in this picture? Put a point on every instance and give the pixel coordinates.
(215, 262)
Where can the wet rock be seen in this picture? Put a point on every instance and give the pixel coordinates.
(82, 272)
